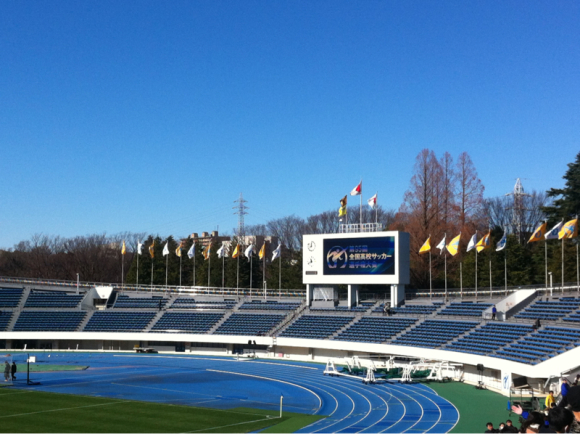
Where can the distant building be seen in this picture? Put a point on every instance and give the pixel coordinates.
(207, 239)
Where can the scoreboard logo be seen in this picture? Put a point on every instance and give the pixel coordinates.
(337, 257)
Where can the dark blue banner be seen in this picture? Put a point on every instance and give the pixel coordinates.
(361, 256)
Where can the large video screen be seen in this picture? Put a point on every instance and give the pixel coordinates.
(359, 256)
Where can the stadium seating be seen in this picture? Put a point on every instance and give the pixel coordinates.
(249, 324)
(550, 310)
(574, 317)
(186, 322)
(465, 309)
(119, 321)
(489, 338)
(190, 303)
(270, 305)
(411, 309)
(62, 321)
(10, 297)
(316, 326)
(126, 302)
(52, 299)
(375, 329)
(541, 345)
(5, 318)
(434, 333)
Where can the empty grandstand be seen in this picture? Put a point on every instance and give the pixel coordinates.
(458, 330)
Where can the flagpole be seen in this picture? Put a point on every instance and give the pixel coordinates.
(361, 222)
(264, 272)
(445, 251)
(562, 264)
(376, 209)
(251, 262)
(122, 270)
(476, 273)
(577, 268)
(461, 279)
(490, 285)
(137, 269)
(209, 267)
(194, 267)
(151, 274)
(238, 277)
(280, 275)
(223, 268)
(179, 268)
(166, 268)
(546, 259)
(430, 279)
(505, 271)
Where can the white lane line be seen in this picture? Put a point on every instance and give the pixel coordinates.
(61, 409)
(272, 379)
(219, 360)
(233, 424)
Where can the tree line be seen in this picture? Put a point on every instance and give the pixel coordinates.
(444, 198)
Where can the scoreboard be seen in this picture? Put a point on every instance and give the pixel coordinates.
(356, 258)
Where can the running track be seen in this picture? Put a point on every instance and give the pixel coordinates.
(350, 406)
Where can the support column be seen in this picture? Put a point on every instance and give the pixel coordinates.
(397, 295)
(309, 294)
(352, 295)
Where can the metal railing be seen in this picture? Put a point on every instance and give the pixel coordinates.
(357, 227)
(194, 290)
(496, 291)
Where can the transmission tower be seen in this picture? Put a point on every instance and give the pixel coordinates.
(518, 209)
(241, 212)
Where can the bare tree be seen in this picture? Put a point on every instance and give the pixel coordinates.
(469, 190)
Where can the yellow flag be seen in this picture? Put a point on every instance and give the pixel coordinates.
(342, 209)
(152, 249)
(236, 252)
(123, 248)
(569, 230)
(262, 252)
(539, 233)
(453, 246)
(483, 243)
(178, 251)
(207, 252)
(426, 247)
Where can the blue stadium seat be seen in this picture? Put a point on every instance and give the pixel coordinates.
(62, 321)
(316, 326)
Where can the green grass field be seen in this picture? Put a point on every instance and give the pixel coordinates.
(44, 367)
(31, 411)
(476, 407)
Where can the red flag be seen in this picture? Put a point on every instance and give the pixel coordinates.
(357, 190)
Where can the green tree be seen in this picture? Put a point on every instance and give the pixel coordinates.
(567, 200)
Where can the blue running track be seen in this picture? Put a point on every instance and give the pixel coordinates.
(224, 383)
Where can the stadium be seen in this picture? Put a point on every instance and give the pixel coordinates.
(289, 360)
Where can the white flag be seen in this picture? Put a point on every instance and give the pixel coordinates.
(553, 233)
(442, 245)
(139, 247)
(249, 251)
(191, 251)
(502, 243)
(166, 249)
(222, 252)
(472, 242)
(373, 201)
(276, 253)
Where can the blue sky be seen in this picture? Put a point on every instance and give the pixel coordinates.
(154, 116)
